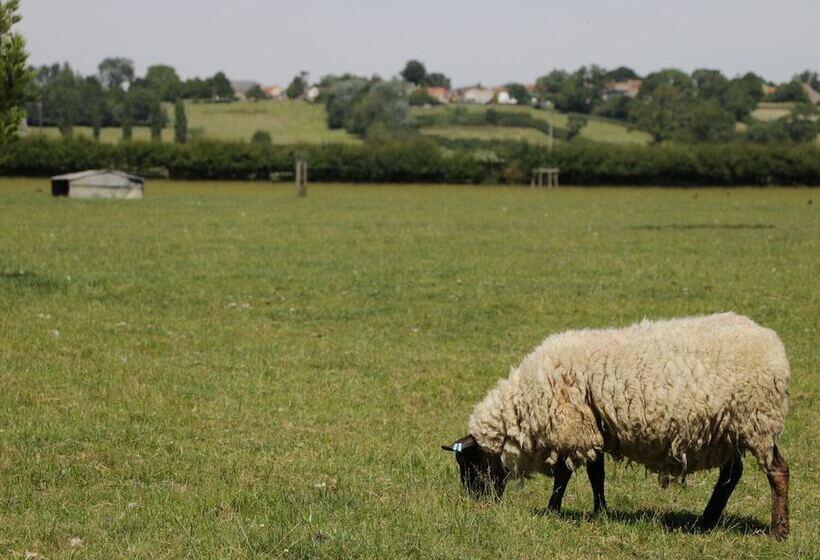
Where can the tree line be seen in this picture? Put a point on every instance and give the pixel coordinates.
(116, 97)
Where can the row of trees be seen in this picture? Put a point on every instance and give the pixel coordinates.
(116, 97)
(673, 105)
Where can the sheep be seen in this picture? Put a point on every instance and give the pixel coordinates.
(676, 396)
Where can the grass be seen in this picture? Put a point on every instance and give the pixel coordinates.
(530, 135)
(597, 129)
(227, 371)
(288, 122)
(108, 135)
(771, 111)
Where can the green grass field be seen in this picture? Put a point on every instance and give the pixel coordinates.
(288, 122)
(530, 135)
(597, 129)
(227, 371)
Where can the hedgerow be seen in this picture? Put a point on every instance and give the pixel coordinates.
(423, 160)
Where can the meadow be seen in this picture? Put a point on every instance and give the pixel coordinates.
(288, 122)
(224, 370)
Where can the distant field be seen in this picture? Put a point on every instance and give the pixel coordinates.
(288, 122)
(224, 370)
(489, 133)
(597, 129)
(767, 111)
(110, 135)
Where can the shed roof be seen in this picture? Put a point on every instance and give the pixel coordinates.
(92, 172)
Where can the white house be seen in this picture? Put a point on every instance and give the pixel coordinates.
(312, 93)
(503, 97)
(477, 95)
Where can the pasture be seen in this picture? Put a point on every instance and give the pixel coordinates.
(288, 122)
(223, 370)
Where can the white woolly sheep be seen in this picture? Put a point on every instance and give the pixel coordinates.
(676, 396)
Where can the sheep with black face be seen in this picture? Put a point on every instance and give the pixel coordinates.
(676, 396)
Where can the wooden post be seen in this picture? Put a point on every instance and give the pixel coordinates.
(551, 135)
(301, 178)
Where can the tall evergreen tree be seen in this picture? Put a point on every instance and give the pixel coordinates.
(180, 123)
(14, 74)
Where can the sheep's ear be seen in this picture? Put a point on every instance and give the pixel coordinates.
(462, 444)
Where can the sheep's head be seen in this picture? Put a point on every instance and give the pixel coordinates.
(482, 473)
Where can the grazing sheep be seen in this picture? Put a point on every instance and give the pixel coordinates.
(677, 396)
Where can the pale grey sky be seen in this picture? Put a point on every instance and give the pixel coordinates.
(490, 42)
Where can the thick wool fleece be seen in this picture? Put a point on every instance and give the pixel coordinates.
(676, 396)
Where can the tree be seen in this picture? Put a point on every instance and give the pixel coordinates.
(414, 72)
(164, 80)
(197, 88)
(790, 91)
(386, 105)
(519, 93)
(578, 92)
(809, 77)
(342, 97)
(221, 87)
(256, 93)
(180, 122)
(740, 96)
(574, 125)
(437, 79)
(116, 71)
(660, 114)
(157, 121)
(15, 77)
(297, 86)
(706, 121)
(64, 96)
(618, 107)
(709, 84)
(420, 98)
(93, 104)
(261, 137)
(667, 77)
(621, 74)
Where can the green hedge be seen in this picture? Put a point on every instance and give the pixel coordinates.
(422, 160)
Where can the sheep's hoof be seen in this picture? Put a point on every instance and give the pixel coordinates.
(704, 525)
(780, 532)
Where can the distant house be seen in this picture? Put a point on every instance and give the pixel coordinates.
(768, 89)
(98, 183)
(503, 97)
(811, 93)
(626, 88)
(477, 95)
(275, 92)
(440, 94)
(241, 87)
(312, 93)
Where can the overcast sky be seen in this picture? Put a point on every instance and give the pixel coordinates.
(477, 41)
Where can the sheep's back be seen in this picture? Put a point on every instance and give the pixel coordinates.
(681, 395)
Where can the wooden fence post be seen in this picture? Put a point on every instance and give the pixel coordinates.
(301, 178)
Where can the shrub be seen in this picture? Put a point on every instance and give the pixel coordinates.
(422, 159)
(261, 137)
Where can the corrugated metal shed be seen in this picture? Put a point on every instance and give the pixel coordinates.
(98, 183)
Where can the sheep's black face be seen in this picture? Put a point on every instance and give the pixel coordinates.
(482, 473)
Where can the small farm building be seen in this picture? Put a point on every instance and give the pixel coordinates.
(98, 183)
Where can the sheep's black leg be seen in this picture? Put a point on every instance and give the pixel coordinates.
(778, 477)
(595, 472)
(562, 476)
(730, 473)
